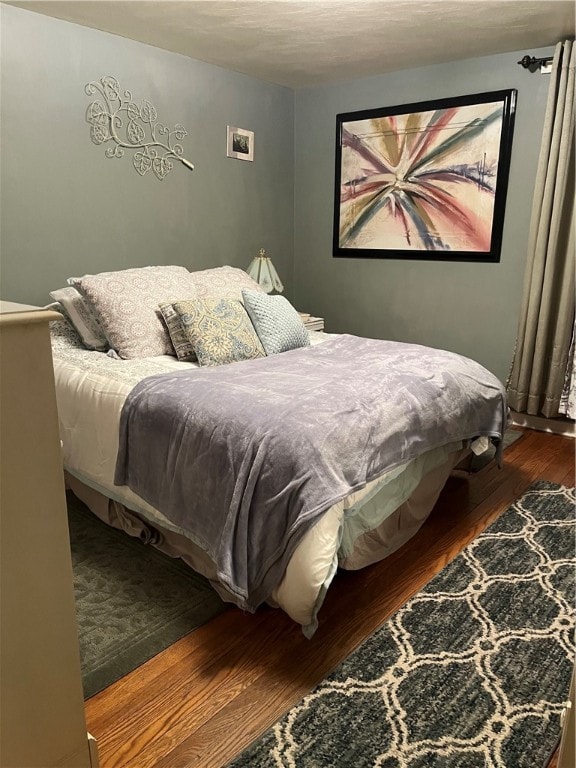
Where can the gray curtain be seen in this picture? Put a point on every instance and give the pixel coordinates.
(540, 361)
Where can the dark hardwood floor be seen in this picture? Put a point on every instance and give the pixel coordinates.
(205, 698)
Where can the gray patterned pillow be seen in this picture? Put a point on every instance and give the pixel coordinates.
(219, 330)
(277, 323)
(82, 318)
(126, 304)
(180, 341)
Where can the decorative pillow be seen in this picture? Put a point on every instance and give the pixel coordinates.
(277, 323)
(180, 341)
(219, 330)
(126, 304)
(82, 318)
(222, 283)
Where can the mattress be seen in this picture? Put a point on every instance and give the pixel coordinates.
(368, 525)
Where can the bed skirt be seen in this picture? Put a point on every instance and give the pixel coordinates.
(313, 564)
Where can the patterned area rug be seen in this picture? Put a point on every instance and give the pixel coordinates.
(131, 600)
(472, 672)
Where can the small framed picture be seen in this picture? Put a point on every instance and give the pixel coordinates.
(240, 143)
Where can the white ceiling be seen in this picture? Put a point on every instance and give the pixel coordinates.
(312, 42)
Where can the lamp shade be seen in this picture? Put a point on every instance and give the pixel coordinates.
(263, 272)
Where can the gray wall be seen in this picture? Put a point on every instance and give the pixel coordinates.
(467, 308)
(67, 209)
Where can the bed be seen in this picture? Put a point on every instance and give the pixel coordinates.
(268, 473)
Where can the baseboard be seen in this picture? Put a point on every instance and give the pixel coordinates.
(564, 427)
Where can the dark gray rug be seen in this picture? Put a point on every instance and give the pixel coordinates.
(472, 672)
(131, 600)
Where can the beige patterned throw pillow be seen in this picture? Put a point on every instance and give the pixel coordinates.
(126, 304)
(219, 330)
(217, 283)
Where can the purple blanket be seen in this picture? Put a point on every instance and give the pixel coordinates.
(246, 457)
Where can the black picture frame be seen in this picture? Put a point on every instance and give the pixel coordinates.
(426, 180)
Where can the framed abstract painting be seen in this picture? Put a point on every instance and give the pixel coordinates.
(425, 180)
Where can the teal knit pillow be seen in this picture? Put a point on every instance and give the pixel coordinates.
(277, 323)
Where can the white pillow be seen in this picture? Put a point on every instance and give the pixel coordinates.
(82, 318)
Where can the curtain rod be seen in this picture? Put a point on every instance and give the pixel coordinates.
(533, 64)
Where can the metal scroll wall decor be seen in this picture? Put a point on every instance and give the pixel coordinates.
(117, 118)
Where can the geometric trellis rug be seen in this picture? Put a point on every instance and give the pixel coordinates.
(472, 672)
